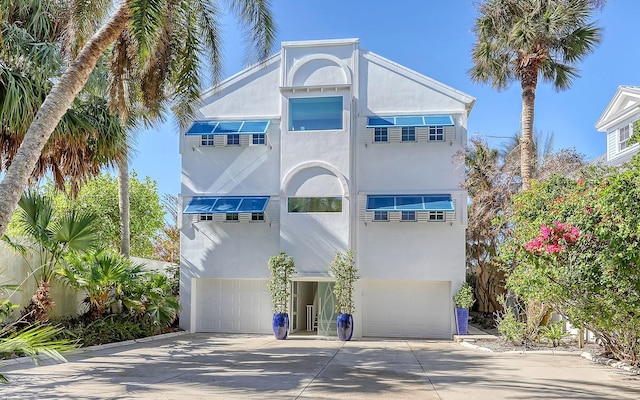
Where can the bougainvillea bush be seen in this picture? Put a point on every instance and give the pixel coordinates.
(576, 248)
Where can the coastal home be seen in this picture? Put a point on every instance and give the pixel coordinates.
(325, 147)
(618, 121)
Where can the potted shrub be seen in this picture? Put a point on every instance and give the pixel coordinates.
(463, 300)
(282, 267)
(344, 271)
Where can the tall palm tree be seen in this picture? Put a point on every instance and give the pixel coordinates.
(524, 40)
(167, 39)
(51, 237)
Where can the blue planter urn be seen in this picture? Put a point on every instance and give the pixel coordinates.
(462, 320)
(345, 327)
(281, 325)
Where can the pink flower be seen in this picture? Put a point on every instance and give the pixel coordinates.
(554, 248)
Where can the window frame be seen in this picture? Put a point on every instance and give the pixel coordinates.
(381, 216)
(381, 135)
(310, 200)
(257, 217)
(624, 144)
(408, 133)
(259, 138)
(207, 140)
(294, 102)
(437, 216)
(408, 216)
(205, 217)
(436, 133)
(232, 217)
(233, 139)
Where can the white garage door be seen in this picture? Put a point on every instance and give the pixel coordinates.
(407, 309)
(233, 306)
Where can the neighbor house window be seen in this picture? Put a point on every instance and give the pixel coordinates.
(206, 217)
(233, 140)
(380, 216)
(380, 135)
(232, 217)
(408, 134)
(257, 216)
(258, 138)
(624, 134)
(315, 113)
(408, 216)
(314, 204)
(436, 216)
(207, 140)
(436, 133)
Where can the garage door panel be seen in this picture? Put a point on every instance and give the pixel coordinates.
(233, 306)
(406, 309)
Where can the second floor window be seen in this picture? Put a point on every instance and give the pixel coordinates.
(624, 134)
(258, 138)
(207, 140)
(436, 133)
(408, 134)
(315, 113)
(380, 135)
(233, 140)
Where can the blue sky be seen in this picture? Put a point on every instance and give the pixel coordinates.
(434, 38)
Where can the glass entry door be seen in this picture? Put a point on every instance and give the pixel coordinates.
(326, 310)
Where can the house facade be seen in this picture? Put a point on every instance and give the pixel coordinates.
(325, 147)
(618, 121)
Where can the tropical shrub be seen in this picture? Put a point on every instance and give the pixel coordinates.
(281, 267)
(51, 237)
(464, 298)
(576, 249)
(344, 270)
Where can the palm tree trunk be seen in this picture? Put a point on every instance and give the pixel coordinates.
(529, 81)
(52, 110)
(124, 204)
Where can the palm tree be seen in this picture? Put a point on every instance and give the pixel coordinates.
(88, 137)
(525, 40)
(51, 238)
(167, 39)
(102, 275)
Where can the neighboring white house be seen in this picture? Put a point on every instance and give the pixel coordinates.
(321, 148)
(618, 121)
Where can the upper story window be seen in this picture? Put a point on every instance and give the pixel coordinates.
(314, 204)
(380, 215)
(315, 113)
(207, 140)
(380, 135)
(408, 134)
(436, 133)
(624, 134)
(258, 138)
(232, 217)
(233, 140)
(408, 216)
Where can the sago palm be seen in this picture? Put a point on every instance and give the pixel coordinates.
(165, 45)
(49, 238)
(524, 40)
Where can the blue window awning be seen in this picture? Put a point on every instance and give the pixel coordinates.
(414, 120)
(410, 202)
(227, 204)
(227, 127)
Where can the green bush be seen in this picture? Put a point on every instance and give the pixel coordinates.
(464, 298)
(553, 333)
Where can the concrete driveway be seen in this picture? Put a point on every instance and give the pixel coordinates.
(199, 366)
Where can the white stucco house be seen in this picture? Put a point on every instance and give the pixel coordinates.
(618, 121)
(325, 147)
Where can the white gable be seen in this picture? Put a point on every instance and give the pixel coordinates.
(624, 103)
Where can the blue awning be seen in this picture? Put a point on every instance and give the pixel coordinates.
(410, 202)
(227, 204)
(404, 120)
(227, 127)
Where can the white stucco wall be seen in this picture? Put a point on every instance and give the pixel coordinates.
(326, 164)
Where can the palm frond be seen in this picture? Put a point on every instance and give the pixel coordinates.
(255, 15)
